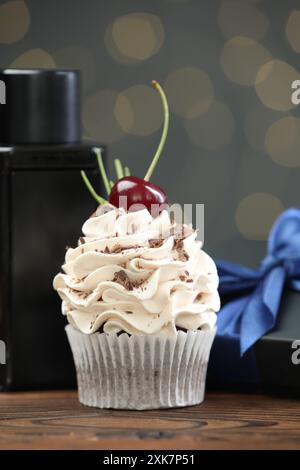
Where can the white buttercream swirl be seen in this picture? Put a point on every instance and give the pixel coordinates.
(121, 279)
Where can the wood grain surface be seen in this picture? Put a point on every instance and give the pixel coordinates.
(55, 420)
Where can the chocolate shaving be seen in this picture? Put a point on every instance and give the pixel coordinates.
(182, 254)
(184, 277)
(199, 297)
(156, 242)
(117, 249)
(81, 241)
(121, 278)
(80, 294)
(137, 284)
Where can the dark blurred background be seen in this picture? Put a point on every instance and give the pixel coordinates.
(227, 67)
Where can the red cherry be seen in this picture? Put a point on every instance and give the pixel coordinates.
(137, 192)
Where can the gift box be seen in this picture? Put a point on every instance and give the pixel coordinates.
(258, 339)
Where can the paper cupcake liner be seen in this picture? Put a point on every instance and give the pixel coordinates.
(140, 372)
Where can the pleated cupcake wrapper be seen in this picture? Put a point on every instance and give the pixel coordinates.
(140, 372)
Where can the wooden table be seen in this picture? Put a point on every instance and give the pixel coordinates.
(55, 420)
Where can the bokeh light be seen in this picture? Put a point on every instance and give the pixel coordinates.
(190, 92)
(14, 21)
(241, 58)
(273, 84)
(256, 214)
(138, 110)
(134, 37)
(34, 58)
(282, 141)
(293, 30)
(238, 18)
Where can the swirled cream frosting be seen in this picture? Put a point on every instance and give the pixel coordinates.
(135, 273)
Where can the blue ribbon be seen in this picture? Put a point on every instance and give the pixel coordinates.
(258, 292)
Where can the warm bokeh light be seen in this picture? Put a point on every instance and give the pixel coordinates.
(190, 92)
(273, 84)
(293, 30)
(134, 37)
(236, 18)
(241, 58)
(213, 130)
(256, 214)
(34, 58)
(138, 110)
(282, 141)
(98, 116)
(14, 21)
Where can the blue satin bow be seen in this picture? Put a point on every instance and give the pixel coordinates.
(252, 315)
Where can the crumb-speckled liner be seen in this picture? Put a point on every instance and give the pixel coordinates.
(140, 372)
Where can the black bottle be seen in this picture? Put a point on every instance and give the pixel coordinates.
(43, 205)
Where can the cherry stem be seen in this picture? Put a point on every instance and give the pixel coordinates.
(126, 171)
(160, 147)
(111, 183)
(119, 169)
(102, 170)
(89, 186)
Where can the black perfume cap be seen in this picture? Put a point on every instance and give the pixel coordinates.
(41, 106)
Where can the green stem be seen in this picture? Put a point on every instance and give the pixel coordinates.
(111, 183)
(160, 147)
(89, 186)
(119, 169)
(102, 170)
(126, 171)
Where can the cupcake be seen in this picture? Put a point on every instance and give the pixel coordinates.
(140, 296)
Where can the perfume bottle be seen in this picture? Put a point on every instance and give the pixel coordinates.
(43, 203)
